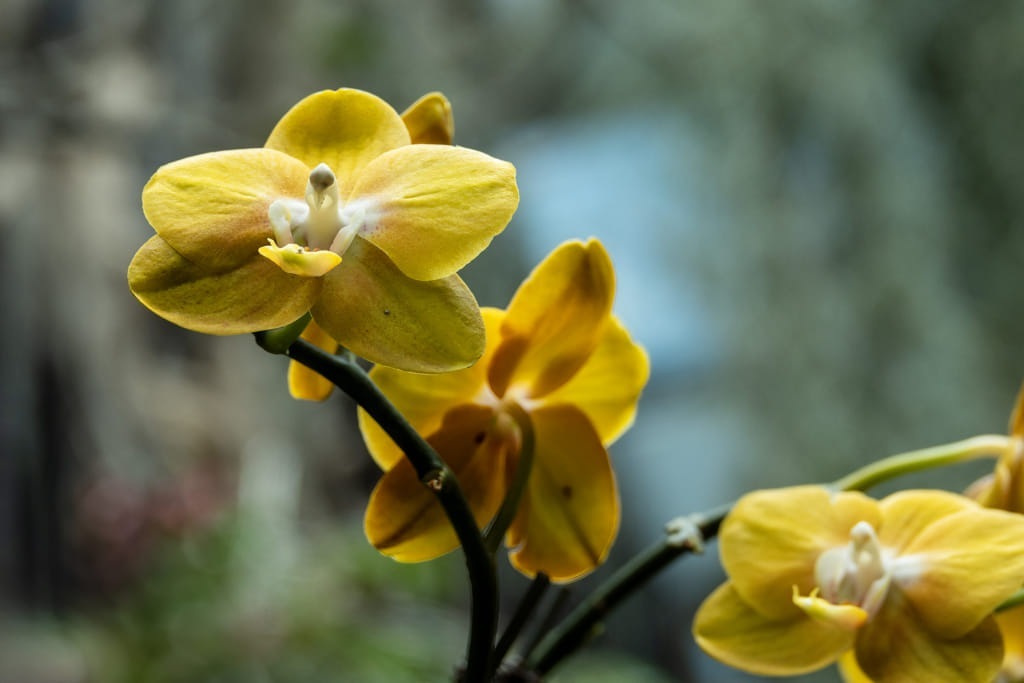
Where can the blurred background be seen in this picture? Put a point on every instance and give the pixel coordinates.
(815, 211)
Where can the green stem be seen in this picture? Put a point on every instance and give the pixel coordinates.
(353, 380)
(510, 506)
(530, 600)
(575, 629)
(986, 445)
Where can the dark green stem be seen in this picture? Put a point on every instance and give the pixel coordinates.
(353, 380)
(519, 618)
(575, 629)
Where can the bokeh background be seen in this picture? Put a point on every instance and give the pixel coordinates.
(815, 210)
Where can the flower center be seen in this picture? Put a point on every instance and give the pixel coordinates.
(855, 574)
(311, 235)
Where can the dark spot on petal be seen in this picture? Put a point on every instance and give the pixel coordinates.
(387, 311)
(479, 438)
(567, 492)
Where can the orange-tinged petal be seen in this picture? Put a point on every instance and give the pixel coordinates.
(896, 646)
(429, 120)
(1011, 625)
(424, 399)
(345, 129)
(212, 208)
(772, 539)
(307, 384)
(371, 308)
(731, 631)
(607, 387)
(404, 519)
(908, 513)
(433, 208)
(976, 555)
(569, 514)
(556, 319)
(252, 296)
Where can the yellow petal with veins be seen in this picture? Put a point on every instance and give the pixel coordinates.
(733, 632)
(429, 120)
(897, 646)
(425, 399)
(556, 320)
(307, 384)
(433, 208)
(976, 554)
(253, 296)
(298, 260)
(345, 129)
(403, 518)
(607, 387)
(212, 208)
(569, 514)
(378, 313)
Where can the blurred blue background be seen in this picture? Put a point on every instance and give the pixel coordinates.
(815, 211)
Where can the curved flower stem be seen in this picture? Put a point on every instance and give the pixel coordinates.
(984, 446)
(682, 537)
(530, 600)
(435, 474)
(510, 506)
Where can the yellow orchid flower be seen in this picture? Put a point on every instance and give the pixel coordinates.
(558, 367)
(429, 120)
(338, 215)
(907, 583)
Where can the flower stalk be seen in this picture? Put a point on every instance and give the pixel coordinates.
(439, 479)
(983, 446)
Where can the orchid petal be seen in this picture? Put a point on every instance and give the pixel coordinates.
(733, 632)
(909, 513)
(433, 208)
(569, 514)
(404, 519)
(429, 120)
(307, 384)
(897, 646)
(556, 320)
(374, 310)
(252, 296)
(345, 129)
(1011, 625)
(422, 399)
(772, 539)
(213, 208)
(607, 387)
(976, 555)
